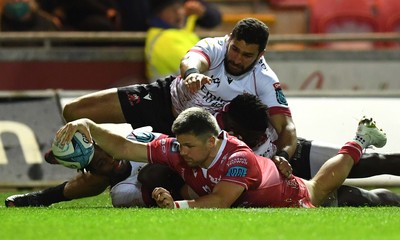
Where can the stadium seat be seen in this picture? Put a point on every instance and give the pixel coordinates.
(343, 16)
(389, 17)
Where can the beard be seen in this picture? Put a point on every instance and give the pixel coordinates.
(238, 69)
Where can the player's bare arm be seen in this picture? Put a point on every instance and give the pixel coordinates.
(287, 137)
(223, 196)
(192, 66)
(113, 144)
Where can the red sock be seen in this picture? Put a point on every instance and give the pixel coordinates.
(353, 149)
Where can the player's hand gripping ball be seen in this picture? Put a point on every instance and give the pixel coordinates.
(77, 154)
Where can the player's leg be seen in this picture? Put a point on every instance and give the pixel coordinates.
(320, 152)
(86, 185)
(333, 173)
(82, 185)
(102, 107)
(372, 164)
(358, 197)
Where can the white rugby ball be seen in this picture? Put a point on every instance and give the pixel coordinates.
(77, 154)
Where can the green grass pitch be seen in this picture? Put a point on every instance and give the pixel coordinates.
(94, 218)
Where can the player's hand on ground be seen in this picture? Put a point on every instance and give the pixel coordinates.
(65, 134)
(195, 81)
(163, 197)
(283, 166)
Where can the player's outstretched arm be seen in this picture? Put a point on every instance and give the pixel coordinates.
(223, 196)
(114, 144)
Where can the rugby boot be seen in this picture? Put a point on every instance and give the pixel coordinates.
(368, 134)
(25, 200)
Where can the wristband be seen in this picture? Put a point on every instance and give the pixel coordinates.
(181, 204)
(283, 154)
(190, 71)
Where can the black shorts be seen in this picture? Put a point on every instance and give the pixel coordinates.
(301, 159)
(148, 105)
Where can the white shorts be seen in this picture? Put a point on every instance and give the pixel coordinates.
(128, 193)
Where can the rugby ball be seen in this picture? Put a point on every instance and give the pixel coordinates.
(77, 154)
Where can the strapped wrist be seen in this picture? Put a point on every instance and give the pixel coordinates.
(190, 71)
(181, 204)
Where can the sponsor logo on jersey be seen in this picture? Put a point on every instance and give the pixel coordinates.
(216, 80)
(133, 99)
(147, 97)
(230, 80)
(214, 180)
(237, 172)
(215, 101)
(236, 161)
(163, 147)
(292, 183)
(280, 97)
(175, 146)
(144, 137)
(206, 188)
(262, 64)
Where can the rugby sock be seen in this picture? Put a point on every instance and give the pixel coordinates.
(354, 149)
(52, 195)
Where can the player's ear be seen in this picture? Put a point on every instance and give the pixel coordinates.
(212, 141)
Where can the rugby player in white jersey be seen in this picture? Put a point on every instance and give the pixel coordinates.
(213, 72)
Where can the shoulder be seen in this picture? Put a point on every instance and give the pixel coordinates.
(212, 42)
(264, 71)
(239, 154)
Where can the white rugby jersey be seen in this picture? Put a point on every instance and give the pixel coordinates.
(260, 81)
(267, 148)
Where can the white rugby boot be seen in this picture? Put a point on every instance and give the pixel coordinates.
(368, 134)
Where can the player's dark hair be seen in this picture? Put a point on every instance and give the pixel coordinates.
(252, 31)
(196, 121)
(248, 111)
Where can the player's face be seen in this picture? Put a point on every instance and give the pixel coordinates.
(102, 163)
(241, 57)
(195, 151)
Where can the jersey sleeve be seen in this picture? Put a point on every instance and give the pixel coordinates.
(270, 90)
(211, 49)
(164, 151)
(242, 168)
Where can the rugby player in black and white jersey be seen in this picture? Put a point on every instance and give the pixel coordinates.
(213, 72)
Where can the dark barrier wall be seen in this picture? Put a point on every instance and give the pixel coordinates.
(70, 68)
(94, 69)
(27, 128)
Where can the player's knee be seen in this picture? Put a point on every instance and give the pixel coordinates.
(70, 111)
(77, 109)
